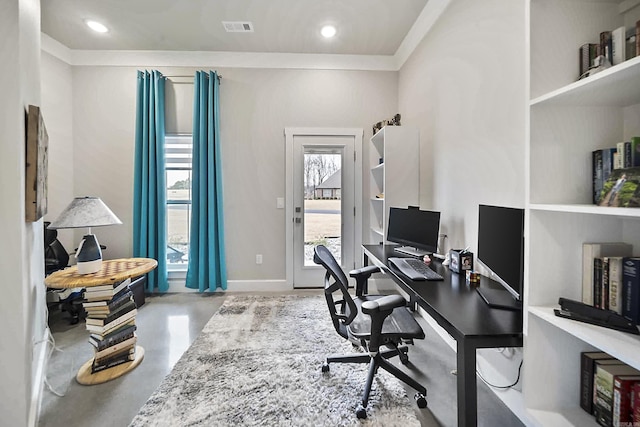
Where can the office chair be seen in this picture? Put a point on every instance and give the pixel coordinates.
(56, 258)
(371, 321)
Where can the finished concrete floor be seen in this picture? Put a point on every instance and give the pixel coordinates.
(168, 324)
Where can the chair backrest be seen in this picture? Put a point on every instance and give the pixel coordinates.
(342, 311)
(55, 255)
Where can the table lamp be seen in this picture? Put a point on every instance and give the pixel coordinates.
(86, 212)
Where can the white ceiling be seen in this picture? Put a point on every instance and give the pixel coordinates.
(365, 27)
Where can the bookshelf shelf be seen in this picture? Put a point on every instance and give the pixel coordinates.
(569, 119)
(587, 209)
(620, 345)
(616, 87)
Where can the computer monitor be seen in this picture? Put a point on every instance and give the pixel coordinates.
(416, 229)
(501, 251)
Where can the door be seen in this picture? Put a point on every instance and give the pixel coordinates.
(323, 203)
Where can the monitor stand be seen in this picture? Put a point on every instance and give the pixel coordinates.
(499, 298)
(409, 250)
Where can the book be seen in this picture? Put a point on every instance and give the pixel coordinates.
(604, 390)
(597, 181)
(597, 282)
(106, 355)
(109, 305)
(587, 370)
(635, 403)
(114, 337)
(619, 189)
(606, 47)
(105, 329)
(622, 413)
(615, 284)
(588, 53)
(121, 311)
(618, 45)
(91, 295)
(604, 292)
(637, 38)
(109, 286)
(627, 158)
(115, 361)
(118, 347)
(602, 164)
(603, 362)
(634, 143)
(631, 289)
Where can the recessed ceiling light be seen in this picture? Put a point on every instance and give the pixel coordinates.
(328, 31)
(96, 26)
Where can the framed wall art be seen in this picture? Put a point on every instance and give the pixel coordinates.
(37, 147)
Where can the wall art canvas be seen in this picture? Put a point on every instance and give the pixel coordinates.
(37, 147)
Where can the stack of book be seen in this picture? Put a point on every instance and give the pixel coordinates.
(609, 390)
(111, 321)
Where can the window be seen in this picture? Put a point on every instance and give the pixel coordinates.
(178, 149)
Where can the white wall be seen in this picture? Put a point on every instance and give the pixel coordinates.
(465, 87)
(57, 110)
(256, 106)
(21, 252)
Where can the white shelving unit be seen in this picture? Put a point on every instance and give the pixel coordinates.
(395, 177)
(569, 119)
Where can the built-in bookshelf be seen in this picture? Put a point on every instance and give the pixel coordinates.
(394, 163)
(568, 119)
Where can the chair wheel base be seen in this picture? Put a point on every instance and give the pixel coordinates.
(361, 413)
(325, 367)
(421, 400)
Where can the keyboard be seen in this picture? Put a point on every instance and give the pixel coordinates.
(415, 269)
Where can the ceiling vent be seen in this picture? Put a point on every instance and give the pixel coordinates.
(238, 26)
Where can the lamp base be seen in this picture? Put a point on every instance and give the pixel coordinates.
(89, 266)
(89, 255)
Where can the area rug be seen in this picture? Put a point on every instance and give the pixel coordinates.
(257, 362)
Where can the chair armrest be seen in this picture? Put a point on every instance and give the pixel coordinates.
(387, 303)
(362, 276)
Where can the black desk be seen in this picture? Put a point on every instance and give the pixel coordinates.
(461, 312)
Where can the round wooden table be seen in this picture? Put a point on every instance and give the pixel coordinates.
(112, 271)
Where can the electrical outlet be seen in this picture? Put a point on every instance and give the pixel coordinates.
(259, 259)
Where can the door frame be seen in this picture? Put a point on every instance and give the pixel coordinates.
(290, 133)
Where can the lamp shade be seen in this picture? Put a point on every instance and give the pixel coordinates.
(85, 212)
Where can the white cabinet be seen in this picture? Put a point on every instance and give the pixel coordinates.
(568, 119)
(395, 179)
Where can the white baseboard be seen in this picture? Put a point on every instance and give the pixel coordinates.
(40, 350)
(177, 286)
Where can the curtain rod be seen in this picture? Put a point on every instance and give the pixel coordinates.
(185, 76)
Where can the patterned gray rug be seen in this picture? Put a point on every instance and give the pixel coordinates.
(257, 362)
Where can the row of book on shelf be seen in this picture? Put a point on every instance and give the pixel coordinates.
(611, 278)
(609, 390)
(613, 48)
(616, 174)
(111, 313)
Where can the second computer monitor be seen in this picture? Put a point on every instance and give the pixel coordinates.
(416, 229)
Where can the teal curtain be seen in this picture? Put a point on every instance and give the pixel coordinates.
(149, 193)
(207, 266)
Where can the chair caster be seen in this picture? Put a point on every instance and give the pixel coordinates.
(361, 413)
(421, 400)
(325, 367)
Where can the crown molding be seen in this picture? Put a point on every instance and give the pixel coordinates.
(426, 20)
(139, 58)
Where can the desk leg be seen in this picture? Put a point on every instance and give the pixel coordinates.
(467, 387)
